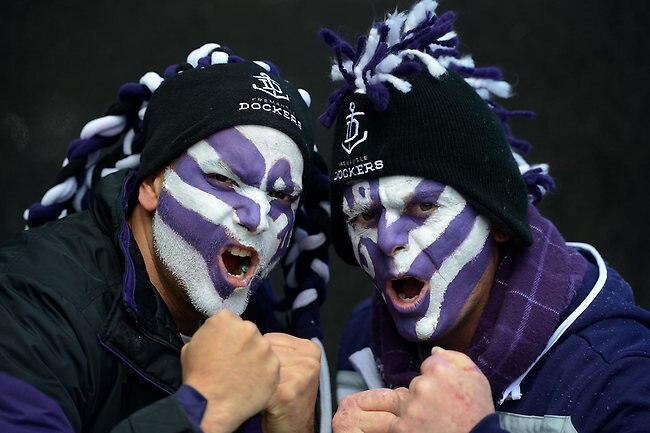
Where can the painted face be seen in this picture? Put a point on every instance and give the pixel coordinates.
(225, 214)
(422, 244)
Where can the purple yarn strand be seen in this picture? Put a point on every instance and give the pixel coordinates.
(85, 146)
(204, 62)
(134, 91)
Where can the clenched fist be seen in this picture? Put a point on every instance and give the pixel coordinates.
(291, 408)
(234, 367)
(450, 396)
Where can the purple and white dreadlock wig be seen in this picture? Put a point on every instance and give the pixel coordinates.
(158, 118)
(86, 159)
(405, 85)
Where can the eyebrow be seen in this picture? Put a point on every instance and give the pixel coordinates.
(433, 195)
(218, 166)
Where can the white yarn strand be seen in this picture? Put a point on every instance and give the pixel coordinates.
(263, 65)
(60, 193)
(325, 390)
(305, 96)
(418, 14)
(433, 66)
(197, 54)
(219, 58)
(107, 126)
(305, 298)
(152, 80)
(321, 268)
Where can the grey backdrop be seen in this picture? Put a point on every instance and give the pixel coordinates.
(582, 66)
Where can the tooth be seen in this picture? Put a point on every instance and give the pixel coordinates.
(239, 252)
(403, 297)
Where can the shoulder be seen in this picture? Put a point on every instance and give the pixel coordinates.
(70, 259)
(66, 266)
(597, 371)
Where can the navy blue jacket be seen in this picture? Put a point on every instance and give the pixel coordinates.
(594, 378)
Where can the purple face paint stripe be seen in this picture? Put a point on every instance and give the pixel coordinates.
(431, 258)
(247, 210)
(284, 236)
(281, 169)
(403, 321)
(460, 288)
(348, 196)
(376, 258)
(373, 189)
(205, 237)
(241, 155)
(427, 191)
(397, 234)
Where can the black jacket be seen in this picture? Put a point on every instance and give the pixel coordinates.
(72, 349)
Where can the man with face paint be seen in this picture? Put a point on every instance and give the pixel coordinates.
(149, 311)
(484, 319)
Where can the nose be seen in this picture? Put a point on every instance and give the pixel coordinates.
(252, 214)
(391, 238)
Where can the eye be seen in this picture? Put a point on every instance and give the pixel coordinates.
(424, 208)
(283, 196)
(370, 215)
(367, 218)
(220, 178)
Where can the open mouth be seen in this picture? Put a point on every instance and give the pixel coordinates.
(406, 292)
(239, 264)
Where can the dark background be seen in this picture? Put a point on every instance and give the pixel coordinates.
(582, 66)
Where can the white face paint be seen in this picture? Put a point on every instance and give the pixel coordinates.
(422, 244)
(226, 212)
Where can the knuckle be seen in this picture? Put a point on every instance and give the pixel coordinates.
(312, 364)
(248, 331)
(314, 349)
(340, 423)
(347, 403)
(422, 385)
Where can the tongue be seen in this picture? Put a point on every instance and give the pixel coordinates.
(410, 287)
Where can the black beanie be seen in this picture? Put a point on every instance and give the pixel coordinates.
(196, 103)
(440, 130)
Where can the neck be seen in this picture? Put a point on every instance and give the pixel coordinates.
(175, 298)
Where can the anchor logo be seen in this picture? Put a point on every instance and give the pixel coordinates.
(352, 130)
(269, 86)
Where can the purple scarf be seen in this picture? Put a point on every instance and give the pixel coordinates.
(532, 288)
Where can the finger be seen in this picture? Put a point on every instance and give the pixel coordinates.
(382, 399)
(281, 339)
(361, 422)
(290, 346)
(447, 358)
(404, 396)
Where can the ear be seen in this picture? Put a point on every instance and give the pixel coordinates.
(500, 236)
(149, 191)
